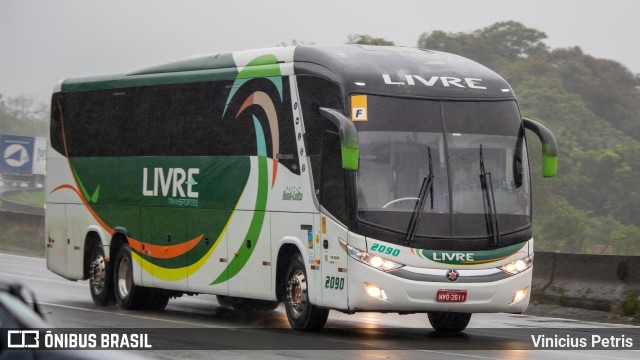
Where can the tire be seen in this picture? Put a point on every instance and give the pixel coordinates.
(154, 299)
(127, 294)
(302, 315)
(449, 322)
(100, 277)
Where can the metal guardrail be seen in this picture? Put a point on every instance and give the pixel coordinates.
(597, 282)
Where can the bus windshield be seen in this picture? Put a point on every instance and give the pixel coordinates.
(394, 145)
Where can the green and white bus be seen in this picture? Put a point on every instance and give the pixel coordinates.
(354, 178)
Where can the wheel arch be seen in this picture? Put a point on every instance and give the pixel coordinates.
(118, 239)
(289, 246)
(94, 237)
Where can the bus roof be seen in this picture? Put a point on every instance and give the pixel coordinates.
(389, 70)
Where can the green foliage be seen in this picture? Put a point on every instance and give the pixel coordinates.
(607, 88)
(364, 39)
(508, 40)
(630, 304)
(593, 107)
(23, 116)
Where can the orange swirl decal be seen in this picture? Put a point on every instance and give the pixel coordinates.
(86, 204)
(263, 100)
(154, 251)
(164, 251)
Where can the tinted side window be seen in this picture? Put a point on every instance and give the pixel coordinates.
(317, 92)
(176, 120)
(93, 122)
(333, 195)
(323, 143)
(55, 125)
(263, 104)
(195, 119)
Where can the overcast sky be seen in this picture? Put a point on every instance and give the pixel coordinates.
(42, 42)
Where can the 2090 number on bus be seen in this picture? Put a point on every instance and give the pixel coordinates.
(334, 283)
(385, 249)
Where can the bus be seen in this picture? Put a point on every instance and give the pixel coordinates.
(351, 177)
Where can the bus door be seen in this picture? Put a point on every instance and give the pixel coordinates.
(333, 263)
(332, 197)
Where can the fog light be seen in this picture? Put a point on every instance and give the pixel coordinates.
(519, 295)
(375, 292)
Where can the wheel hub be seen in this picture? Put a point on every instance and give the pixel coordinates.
(97, 274)
(124, 278)
(297, 298)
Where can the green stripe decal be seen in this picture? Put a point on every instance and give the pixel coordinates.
(470, 257)
(260, 141)
(255, 228)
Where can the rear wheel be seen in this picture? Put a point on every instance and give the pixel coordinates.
(100, 277)
(449, 322)
(154, 299)
(128, 295)
(302, 315)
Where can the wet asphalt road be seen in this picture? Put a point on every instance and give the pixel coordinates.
(68, 304)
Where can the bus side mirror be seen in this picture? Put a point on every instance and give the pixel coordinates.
(348, 137)
(549, 147)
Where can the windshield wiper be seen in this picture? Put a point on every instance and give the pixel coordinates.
(426, 188)
(489, 203)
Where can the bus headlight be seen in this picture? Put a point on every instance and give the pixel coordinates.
(375, 261)
(517, 266)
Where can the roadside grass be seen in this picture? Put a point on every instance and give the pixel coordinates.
(22, 233)
(32, 197)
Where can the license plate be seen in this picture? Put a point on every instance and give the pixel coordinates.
(451, 296)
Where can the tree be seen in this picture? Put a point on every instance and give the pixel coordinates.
(513, 40)
(23, 115)
(364, 39)
(508, 40)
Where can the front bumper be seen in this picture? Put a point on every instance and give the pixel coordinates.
(405, 295)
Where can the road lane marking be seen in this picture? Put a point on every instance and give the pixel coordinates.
(22, 256)
(456, 354)
(130, 315)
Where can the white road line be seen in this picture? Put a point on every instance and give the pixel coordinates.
(129, 315)
(456, 354)
(22, 256)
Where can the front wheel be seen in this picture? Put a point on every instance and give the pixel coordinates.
(302, 315)
(449, 322)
